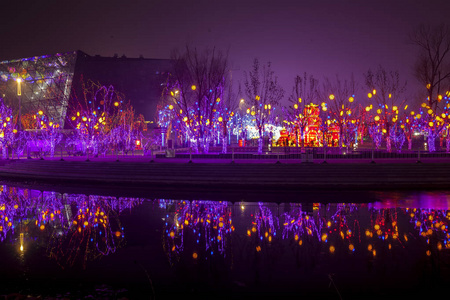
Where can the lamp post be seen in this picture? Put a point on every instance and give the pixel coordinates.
(19, 94)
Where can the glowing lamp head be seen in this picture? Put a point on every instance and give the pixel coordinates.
(193, 87)
(369, 95)
(377, 118)
(351, 99)
(331, 97)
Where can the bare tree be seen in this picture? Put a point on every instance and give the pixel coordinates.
(264, 94)
(432, 67)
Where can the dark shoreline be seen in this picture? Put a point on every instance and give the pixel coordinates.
(220, 181)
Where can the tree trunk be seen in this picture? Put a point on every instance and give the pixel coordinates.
(431, 140)
(260, 142)
(224, 144)
(388, 144)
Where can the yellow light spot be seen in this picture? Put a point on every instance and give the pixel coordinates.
(377, 118)
(332, 249)
(116, 104)
(193, 87)
(194, 255)
(331, 97)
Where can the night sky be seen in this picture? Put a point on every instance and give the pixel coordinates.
(322, 37)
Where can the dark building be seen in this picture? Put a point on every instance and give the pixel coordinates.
(49, 81)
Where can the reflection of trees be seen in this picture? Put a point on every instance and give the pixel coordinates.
(263, 249)
(432, 223)
(206, 225)
(76, 228)
(93, 230)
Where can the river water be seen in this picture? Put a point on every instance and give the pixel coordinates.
(82, 246)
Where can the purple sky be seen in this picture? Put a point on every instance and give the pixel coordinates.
(322, 37)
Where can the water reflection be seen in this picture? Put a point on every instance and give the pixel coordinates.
(76, 228)
(242, 245)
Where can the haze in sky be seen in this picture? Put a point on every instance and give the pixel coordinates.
(324, 38)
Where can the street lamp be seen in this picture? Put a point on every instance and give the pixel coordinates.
(19, 94)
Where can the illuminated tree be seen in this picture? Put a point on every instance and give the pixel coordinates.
(264, 94)
(342, 106)
(94, 113)
(226, 110)
(386, 90)
(193, 93)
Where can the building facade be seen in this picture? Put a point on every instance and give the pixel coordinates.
(49, 82)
